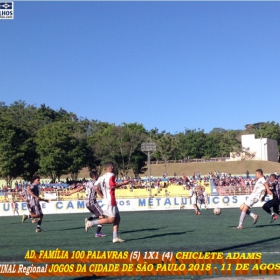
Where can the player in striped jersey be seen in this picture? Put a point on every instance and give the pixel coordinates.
(24, 195)
(274, 201)
(193, 197)
(108, 185)
(14, 206)
(91, 202)
(33, 201)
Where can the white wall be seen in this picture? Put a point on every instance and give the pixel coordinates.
(265, 149)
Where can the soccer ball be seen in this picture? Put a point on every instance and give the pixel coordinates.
(217, 211)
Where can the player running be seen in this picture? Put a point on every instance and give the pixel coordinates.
(14, 206)
(201, 198)
(274, 201)
(259, 189)
(193, 197)
(23, 195)
(108, 185)
(91, 202)
(205, 194)
(33, 202)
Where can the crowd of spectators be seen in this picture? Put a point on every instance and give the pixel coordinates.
(227, 184)
(224, 183)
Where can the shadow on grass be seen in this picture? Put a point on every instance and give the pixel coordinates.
(245, 245)
(258, 226)
(159, 235)
(65, 229)
(142, 229)
(269, 225)
(54, 221)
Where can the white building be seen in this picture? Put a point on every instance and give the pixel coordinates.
(259, 149)
(256, 149)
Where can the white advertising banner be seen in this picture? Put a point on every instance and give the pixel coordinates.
(135, 204)
(50, 195)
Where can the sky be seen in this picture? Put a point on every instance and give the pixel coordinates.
(166, 65)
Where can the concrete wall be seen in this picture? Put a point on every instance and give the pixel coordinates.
(264, 149)
(272, 150)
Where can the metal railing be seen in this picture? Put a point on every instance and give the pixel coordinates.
(130, 193)
(220, 159)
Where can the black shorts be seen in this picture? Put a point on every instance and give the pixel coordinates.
(36, 209)
(95, 209)
(201, 201)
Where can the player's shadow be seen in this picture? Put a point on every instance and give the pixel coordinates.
(244, 245)
(270, 225)
(142, 229)
(258, 226)
(159, 235)
(54, 221)
(66, 229)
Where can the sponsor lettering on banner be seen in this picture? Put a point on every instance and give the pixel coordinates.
(134, 204)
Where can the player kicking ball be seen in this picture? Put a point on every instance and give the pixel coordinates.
(259, 189)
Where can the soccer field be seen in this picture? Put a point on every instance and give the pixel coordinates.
(163, 231)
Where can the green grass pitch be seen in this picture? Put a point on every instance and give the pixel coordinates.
(172, 231)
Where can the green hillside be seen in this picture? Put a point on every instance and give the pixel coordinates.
(233, 167)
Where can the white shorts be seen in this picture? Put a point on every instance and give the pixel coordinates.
(110, 211)
(251, 201)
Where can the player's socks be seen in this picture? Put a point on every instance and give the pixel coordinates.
(115, 234)
(242, 217)
(94, 222)
(252, 215)
(99, 227)
(248, 212)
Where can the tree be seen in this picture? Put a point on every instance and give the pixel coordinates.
(229, 143)
(119, 144)
(166, 146)
(81, 155)
(192, 143)
(55, 143)
(212, 143)
(13, 141)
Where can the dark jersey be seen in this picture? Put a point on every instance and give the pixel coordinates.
(274, 187)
